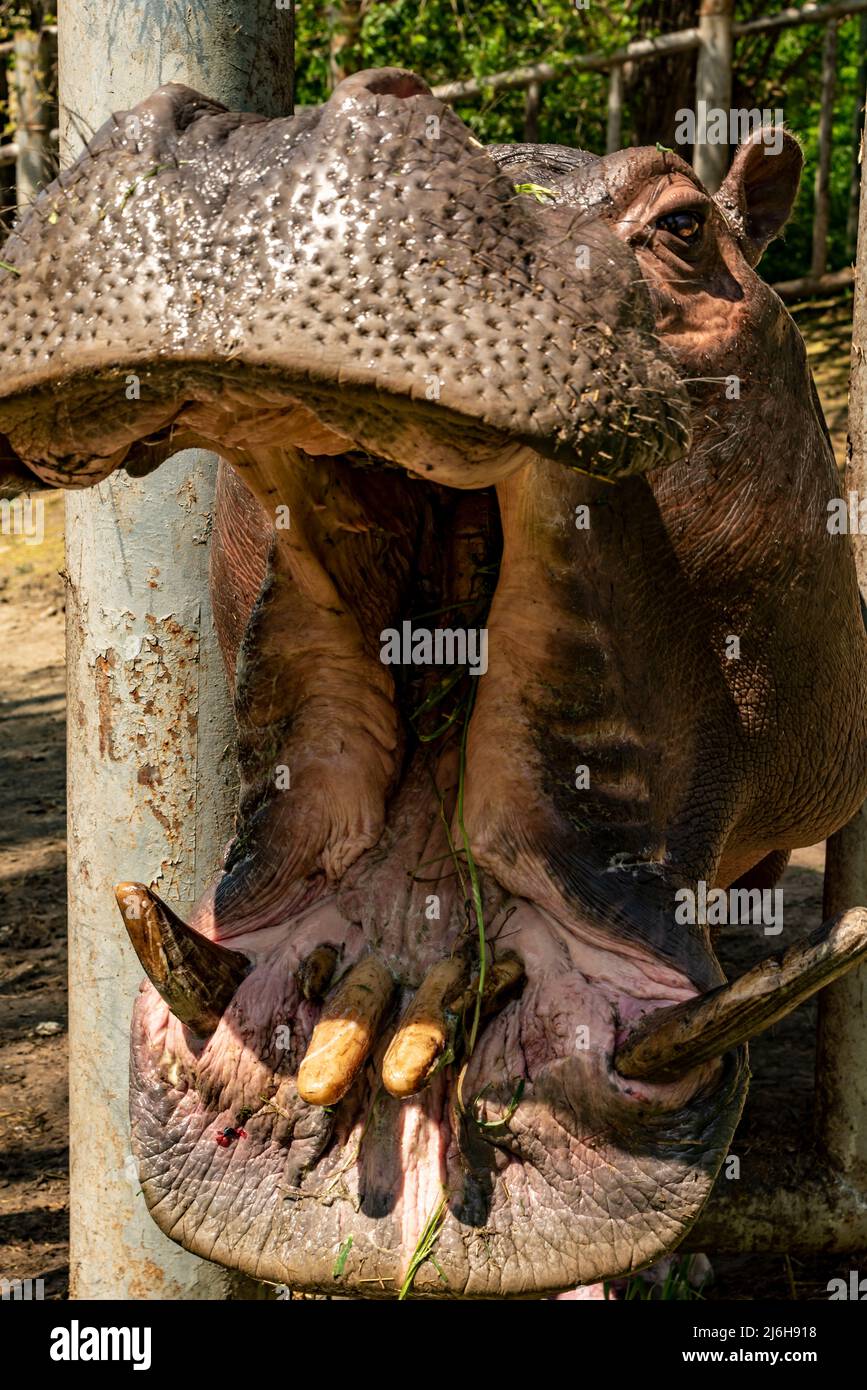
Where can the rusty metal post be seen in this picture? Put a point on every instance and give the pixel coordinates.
(713, 87)
(150, 768)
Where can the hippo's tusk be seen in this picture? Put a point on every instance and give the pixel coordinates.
(671, 1042)
(194, 975)
(346, 1032)
(425, 1030)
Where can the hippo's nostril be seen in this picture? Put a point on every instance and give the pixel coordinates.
(392, 82)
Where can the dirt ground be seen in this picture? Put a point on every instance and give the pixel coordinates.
(33, 1126)
(33, 1052)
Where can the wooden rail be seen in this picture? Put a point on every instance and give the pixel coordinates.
(683, 39)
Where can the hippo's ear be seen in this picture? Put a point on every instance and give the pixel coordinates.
(761, 186)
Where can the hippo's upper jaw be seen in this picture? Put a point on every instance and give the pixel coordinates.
(488, 727)
(244, 269)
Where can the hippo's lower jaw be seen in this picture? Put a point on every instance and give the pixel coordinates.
(388, 806)
(531, 1163)
(552, 1172)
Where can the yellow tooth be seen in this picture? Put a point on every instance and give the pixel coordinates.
(346, 1032)
(314, 974)
(504, 979)
(424, 1031)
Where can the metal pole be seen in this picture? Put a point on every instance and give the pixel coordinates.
(150, 736)
(713, 87)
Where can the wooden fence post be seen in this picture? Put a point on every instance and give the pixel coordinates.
(7, 166)
(614, 129)
(857, 136)
(34, 60)
(532, 102)
(345, 20)
(713, 88)
(822, 213)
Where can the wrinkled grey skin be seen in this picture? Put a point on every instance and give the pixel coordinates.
(345, 304)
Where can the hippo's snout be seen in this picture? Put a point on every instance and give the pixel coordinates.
(358, 277)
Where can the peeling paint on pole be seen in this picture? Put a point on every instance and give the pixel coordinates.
(151, 766)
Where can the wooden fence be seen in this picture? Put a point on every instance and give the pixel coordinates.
(714, 37)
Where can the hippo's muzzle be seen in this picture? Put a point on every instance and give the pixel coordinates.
(357, 278)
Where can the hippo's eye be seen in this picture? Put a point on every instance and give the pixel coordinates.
(686, 226)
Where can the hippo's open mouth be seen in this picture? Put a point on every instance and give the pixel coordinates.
(459, 827)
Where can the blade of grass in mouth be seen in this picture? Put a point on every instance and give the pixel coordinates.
(424, 1250)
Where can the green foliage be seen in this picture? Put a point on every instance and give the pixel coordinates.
(793, 82)
(447, 39)
(19, 14)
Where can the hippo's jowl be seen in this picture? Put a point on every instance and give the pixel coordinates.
(420, 991)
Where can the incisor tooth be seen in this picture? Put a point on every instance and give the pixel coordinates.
(424, 1031)
(503, 980)
(314, 974)
(346, 1032)
(671, 1042)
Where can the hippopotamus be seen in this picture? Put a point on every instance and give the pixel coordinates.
(536, 633)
